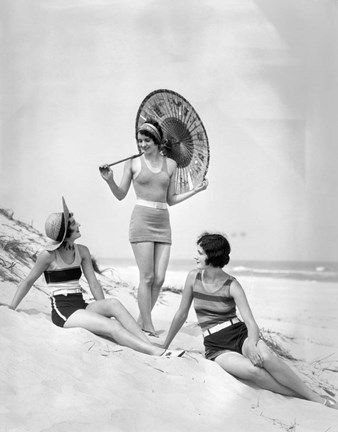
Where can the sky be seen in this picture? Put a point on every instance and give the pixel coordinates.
(262, 75)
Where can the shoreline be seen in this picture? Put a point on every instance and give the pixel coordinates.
(175, 277)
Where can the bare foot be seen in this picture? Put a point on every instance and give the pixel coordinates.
(330, 402)
(172, 353)
(151, 333)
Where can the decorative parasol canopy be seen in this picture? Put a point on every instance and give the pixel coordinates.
(185, 139)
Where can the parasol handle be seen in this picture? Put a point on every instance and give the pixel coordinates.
(123, 160)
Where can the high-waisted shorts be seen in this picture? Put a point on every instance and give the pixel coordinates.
(229, 339)
(63, 306)
(149, 225)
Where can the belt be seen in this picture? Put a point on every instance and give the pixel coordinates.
(66, 292)
(219, 327)
(152, 204)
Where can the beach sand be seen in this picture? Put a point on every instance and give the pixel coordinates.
(56, 380)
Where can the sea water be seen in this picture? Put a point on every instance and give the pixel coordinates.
(178, 270)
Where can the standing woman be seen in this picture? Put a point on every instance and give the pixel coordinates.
(231, 342)
(62, 263)
(153, 177)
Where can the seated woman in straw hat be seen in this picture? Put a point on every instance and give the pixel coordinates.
(232, 342)
(62, 263)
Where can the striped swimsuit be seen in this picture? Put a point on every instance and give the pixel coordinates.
(65, 289)
(216, 306)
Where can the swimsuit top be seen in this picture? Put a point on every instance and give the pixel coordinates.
(62, 276)
(213, 306)
(150, 185)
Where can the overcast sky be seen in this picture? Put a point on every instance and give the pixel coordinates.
(262, 75)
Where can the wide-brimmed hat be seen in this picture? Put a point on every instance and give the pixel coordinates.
(56, 227)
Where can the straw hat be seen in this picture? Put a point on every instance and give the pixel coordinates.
(56, 227)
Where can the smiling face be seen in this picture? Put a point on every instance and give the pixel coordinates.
(145, 143)
(200, 258)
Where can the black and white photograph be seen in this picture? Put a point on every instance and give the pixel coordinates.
(168, 216)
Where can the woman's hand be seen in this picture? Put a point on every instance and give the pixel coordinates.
(106, 173)
(255, 355)
(202, 186)
(119, 191)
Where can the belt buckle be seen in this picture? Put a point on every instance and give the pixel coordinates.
(219, 327)
(66, 292)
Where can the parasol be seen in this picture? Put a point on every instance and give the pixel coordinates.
(185, 138)
(121, 160)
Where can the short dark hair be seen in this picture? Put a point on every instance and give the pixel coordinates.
(217, 249)
(70, 230)
(150, 135)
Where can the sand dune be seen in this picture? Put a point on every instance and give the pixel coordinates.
(56, 380)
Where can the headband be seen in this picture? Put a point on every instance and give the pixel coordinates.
(152, 129)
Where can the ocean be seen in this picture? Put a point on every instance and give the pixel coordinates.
(178, 270)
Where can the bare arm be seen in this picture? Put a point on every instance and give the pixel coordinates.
(87, 267)
(172, 197)
(120, 191)
(241, 300)
(183, 310)
(42, 263)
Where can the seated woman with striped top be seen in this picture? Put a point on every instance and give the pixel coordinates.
(62, 263)
(232, 343)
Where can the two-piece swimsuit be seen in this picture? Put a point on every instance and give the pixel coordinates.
(63, 280)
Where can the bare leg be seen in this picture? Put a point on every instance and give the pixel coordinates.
(161, 260)
(283, 374)
(144, 255)
(275, 375)
(241, 367)
(114, 308)
(111, 328)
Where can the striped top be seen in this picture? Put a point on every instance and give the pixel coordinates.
(63, 276)
(150, 185)
(213, 306)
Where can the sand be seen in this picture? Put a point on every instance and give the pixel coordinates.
(56, 380)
